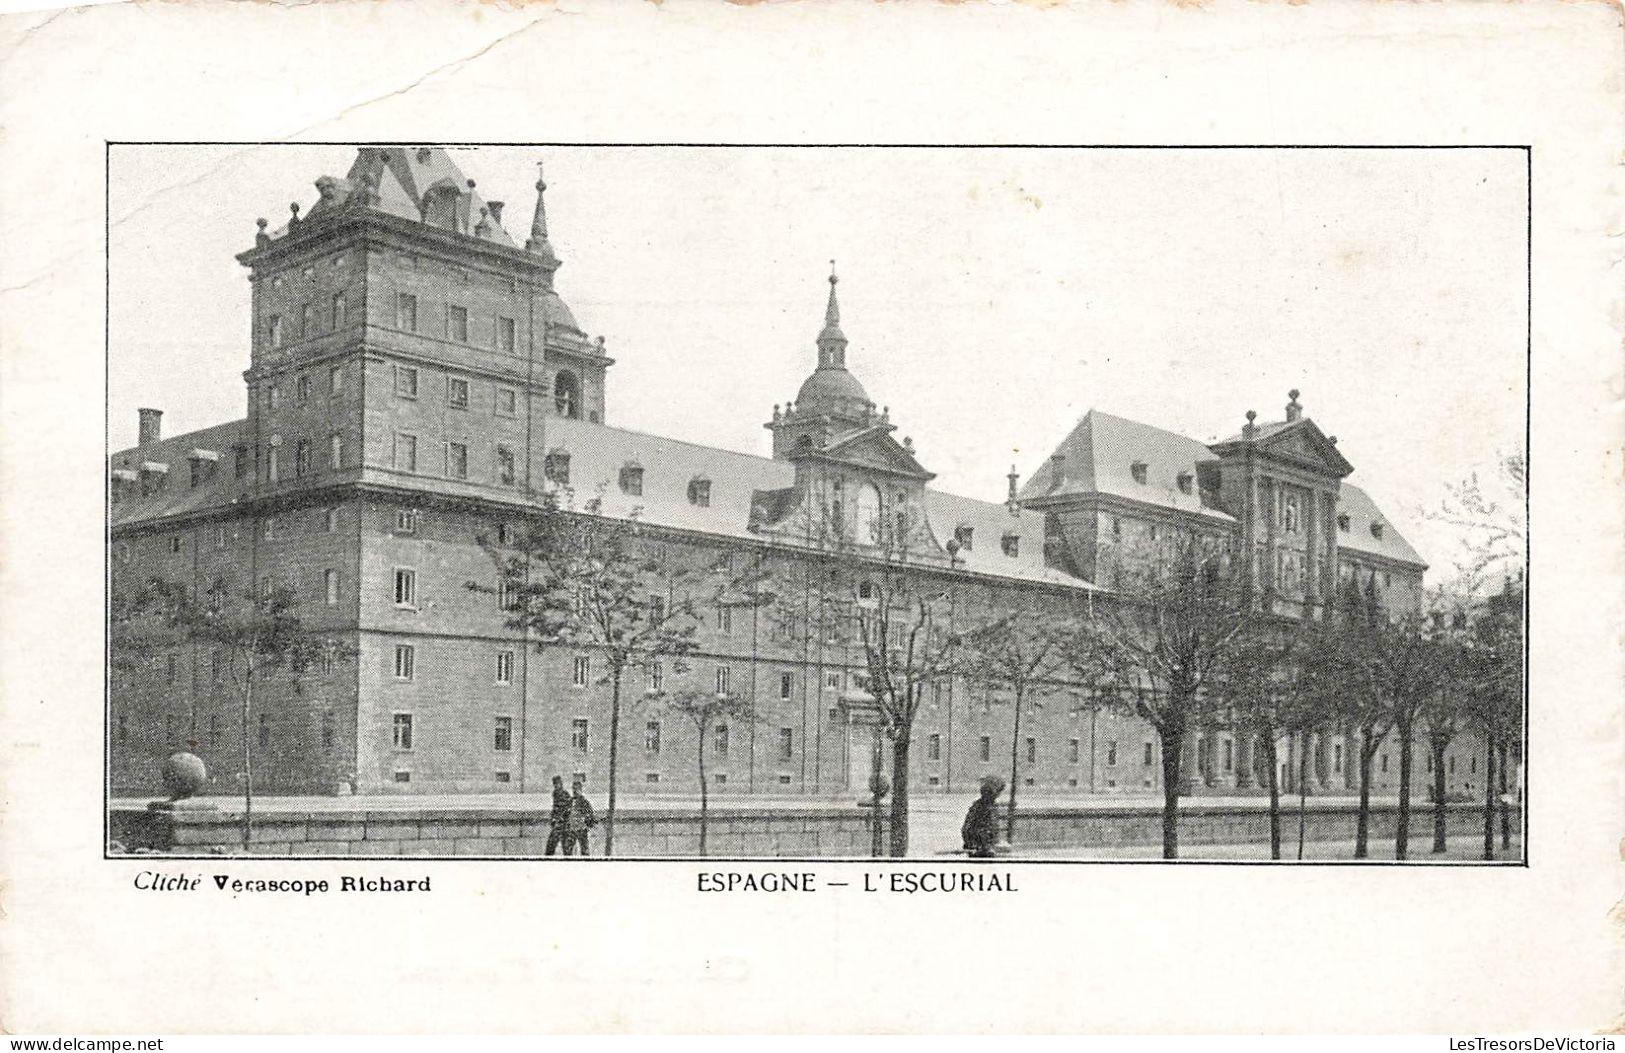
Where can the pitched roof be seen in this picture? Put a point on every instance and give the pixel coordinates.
(177, 495)
(1099, 457)
(1362, 512)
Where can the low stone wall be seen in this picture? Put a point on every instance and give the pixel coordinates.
(833, 831)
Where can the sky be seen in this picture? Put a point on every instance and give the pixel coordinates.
(990, 296)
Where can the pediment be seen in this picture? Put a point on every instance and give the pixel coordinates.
(875, 450)
(1304, 444)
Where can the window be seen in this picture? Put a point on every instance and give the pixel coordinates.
(654, 674)
(1139, 469)
(1343, 522)
(505, 466)
(1337, 758)
(502, 740)
(335, 451)
(457, 324)
(1117, 528)
(503, 776)
(301, 458)
(725, 619)
(406, 521)
(276, 330)
(307, 320)
(719, 740)
(214, 665)
(1032, 751)
(1072, 750)
(651, 776)
(699, 493)
(335, 379)
(556, 467)
(581, 671)
(301, 388)
(787, 685)
(264, 736)
(270, 531)
(214, 729)
(403, 776)
(567, 394)
(457, 392)
(456, 460)
(966, 536)
(1452, 765)
(504, 534)
(175, 543)
(578, 735)
(505, 601)
(330, 580)
(329, 730)
(933, 748)
(405, 661)
(328, 658)
(1376, 530)
(1229, 755)
(406, 382)
(1011, 543)
(1289, 513)
(507, 402)
(341, 316)
(406, 587)
(834, 714)
(406, 452)
(651, 737)
(1185, 479)
(401, 731)
(985, 748)
(657, 609)
(722, 679)
(273, 395)
(273, 464)
(832, 681)
(632, 480)
(1111, 753)
(406, 312)
(505, 334)
(721, 778)
(504, 667)
(240, 459)
(171, 665)
(1383, 763)
(197, 471)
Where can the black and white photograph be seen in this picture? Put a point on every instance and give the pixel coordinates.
(968, 504)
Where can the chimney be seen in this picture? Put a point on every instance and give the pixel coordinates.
(496, 211)
(1057, 462)
(1293, 410)
(150, 426)
(1010, 501)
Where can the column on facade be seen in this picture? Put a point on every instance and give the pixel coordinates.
(1323, 762)
(1351, 759)
(1244, 757)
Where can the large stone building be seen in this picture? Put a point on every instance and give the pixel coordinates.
(414, 374)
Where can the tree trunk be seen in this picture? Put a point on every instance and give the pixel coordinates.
(248, 756)
(703, 798)
(614, 758)
(1506, 807)
(1270, 755)
(1173, 741)
(899, 794)
(1362, 819)
(1438, 743)
(1303, 789)
(1489, 795)
(1402, 828)
(1015, 753)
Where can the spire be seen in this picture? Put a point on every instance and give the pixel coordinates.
(831, 341)
(537, 242)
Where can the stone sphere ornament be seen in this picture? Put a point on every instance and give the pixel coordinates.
(184, 774)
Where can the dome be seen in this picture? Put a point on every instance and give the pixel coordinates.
(831, 390)
(556, 314)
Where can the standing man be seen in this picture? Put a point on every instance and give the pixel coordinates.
(980, 831)
(581, 820)
(560, 818)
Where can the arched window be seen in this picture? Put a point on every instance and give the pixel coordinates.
(866, 522)
(567, 394)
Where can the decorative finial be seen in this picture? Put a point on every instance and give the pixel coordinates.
(1293, 410)
(471, 184)
(293, 221)
(483, 227)
(1248, 429)
(1252, 415)
(260, 223)
(260, 237)
(1293, 394)
(538, 224)
(833, 277)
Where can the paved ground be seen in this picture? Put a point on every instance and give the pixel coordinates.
(1461, 849)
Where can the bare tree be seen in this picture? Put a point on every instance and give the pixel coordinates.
(703, 711)
(1489, 512)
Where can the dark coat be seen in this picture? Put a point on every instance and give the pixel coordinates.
(561, 806)
(981, 830)
(581, 816)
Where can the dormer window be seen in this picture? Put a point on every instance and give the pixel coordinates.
(1343, 522)
(866, 591)
(1011, 543)
(632, 479)
(1376, 530)
(1185, 480)
(1139, 468)
(556, 467)
(699, 492)
(965, 535)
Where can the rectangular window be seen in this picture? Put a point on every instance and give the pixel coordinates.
(657, 609)
(264, 736)
(171, 664)
(1072, 750)
(1383, 760)
(335, 451)
(276, 330)
(457, 392)
(405, 662)
(270, 529)
(651, 737)
(403, 776)
(220, 536)
(457, 324)
(787, 743)
(401, 731)
(985, 748)
(505, 334)
(301, 388)
(725, 619)
(787, 685)
(214, 729)
(505, 466)
(328, 659)
(273, 395)
(335, 379)
(506, 403)
(307, 320)
(502, 741)
(556, 467)
(505, 601)
(273, 464)
(1032, 751)
(215, 666)
(341, 315)
(406, 521)
(503, 776)
(723, 675)
(406, 587)
(456, 460)
(1337, 759)
(655, 674)
(1229, 755)
(832, 681)
(933, 748)
(406, 382)
(719, 740)
(578, 735)
(240, 461)
(406, 452)
(330, 581)
(1150, 756)
(329, 730)
(301, 458)
(581, 671)
(406, 312)
(504, 667)
(197, 472)
(1111, 753)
